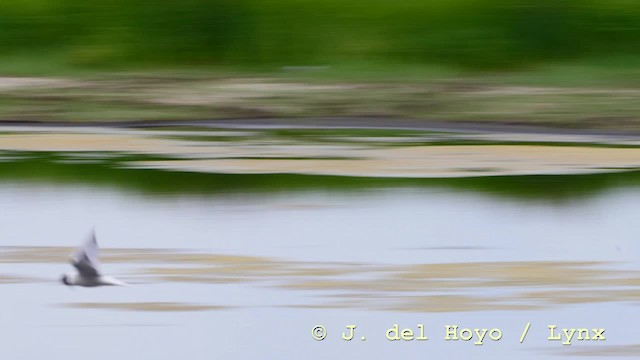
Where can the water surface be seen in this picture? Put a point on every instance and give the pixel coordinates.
(244, 266)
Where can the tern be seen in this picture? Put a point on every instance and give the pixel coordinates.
(85, 260)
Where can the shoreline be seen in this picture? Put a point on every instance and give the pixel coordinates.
(428, 155)
(382, 123)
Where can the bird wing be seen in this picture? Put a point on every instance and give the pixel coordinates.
(85, 259)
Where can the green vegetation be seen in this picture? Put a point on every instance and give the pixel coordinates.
(474, 34)
(51, 169)
(570, 63)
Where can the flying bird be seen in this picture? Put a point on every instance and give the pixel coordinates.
(85, 260)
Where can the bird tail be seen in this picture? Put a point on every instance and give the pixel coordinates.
(107, 280)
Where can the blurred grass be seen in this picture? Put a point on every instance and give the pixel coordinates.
(540, 62)
(476, 34)
(601, 99)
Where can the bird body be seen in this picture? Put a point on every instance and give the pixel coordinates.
(85, 260)
(75, 279)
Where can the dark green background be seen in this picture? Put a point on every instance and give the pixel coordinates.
(475, 34)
